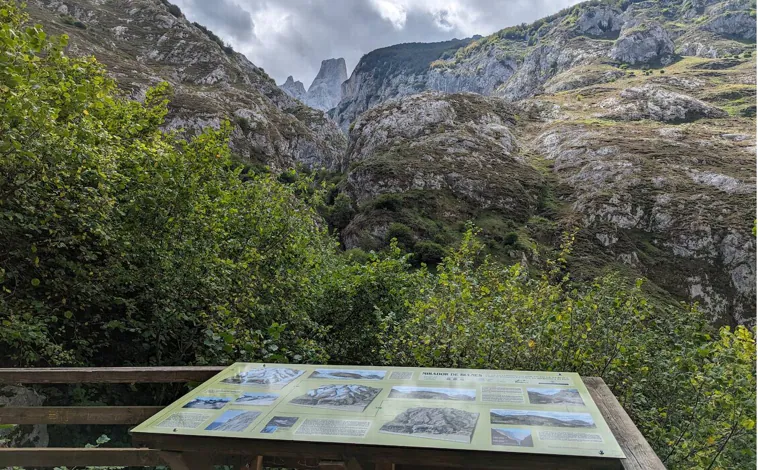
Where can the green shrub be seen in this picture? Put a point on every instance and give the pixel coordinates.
(388, 202)
(341, 212)
(402, 233)
(690, 388)
(510, 238)
(429, 253)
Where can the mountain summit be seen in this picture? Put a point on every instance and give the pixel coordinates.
(325, 91)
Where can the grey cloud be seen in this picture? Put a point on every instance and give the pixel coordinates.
(224, 17)
(305, 32)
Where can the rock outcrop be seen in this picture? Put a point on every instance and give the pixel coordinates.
(142, 43)
(453, 154)
(658, 104)
(518, 62)
(325, 91)
(644, 43)
(294, 88)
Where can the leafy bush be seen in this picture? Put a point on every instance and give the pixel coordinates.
(388, 202)
(690, 388)
(429, 253)
(402, 233)
(125, 242)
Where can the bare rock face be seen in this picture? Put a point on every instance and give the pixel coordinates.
(651, 198)
(325, 92)
(142, 44)
(456, 152)
(643, 43)
(658, 104)
(548, 60)
(732, 24)
(294, 88)
(603, 20)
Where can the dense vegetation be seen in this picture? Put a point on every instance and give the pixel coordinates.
(125, 245)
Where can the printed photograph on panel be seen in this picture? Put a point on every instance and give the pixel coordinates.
(347, 397)
(265, 376)
(208, 403)
(256, 399)
(432, 393)
(279, 422)
(555, 396)
(233, 421)
(512, 437)
(348, 374)
(445, 424)
(542, 418)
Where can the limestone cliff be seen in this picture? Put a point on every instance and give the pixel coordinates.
(655, 169)
(325, 91)
(294, 88)
(517, 62)
(143, 42)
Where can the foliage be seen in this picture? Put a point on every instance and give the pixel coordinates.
(123, 239)
(402, 233)
(690, 389)
(428, 253)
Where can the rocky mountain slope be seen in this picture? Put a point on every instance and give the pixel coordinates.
(325, 90)
(612, 128)
(143, 42)
(518, 62)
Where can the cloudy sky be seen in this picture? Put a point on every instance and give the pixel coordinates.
(291, 37)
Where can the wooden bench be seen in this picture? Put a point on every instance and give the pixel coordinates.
(640, 456)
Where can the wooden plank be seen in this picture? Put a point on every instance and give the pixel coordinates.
(639, 454)
(102, 457)
(77, 375)
(451, 458)
(96, 457)
(77, 414)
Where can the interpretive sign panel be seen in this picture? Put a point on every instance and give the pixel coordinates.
(508, 411)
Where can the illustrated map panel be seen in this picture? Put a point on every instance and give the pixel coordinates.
(506, 411)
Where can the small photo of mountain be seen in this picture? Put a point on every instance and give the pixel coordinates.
(512, 437)
(555, 396)
(542, 418)
(343, 397)
(279, 422)
(348, 374)
(233, 421)
(208, 403)
(432, 393)
(256, 399)
(265, 376)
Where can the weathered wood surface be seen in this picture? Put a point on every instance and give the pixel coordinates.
(441, 458)
(639, 454)
(81, 375)
(129, 457)
(77, 414)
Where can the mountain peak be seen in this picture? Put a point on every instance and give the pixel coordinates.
(325, 91)
(295, 89)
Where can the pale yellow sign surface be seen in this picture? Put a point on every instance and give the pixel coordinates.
(508, 411)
